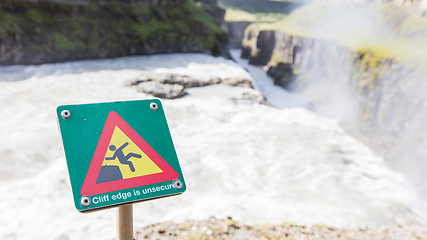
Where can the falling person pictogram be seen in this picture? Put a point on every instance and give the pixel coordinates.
(118, 153)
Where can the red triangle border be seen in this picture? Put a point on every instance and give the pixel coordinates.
(90, 187)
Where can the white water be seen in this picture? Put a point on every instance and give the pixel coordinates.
(242, 159)
(276, 95)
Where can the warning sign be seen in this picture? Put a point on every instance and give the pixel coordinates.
(123, 159)
(118, 153)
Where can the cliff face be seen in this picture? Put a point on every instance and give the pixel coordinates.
(378, 99)
(39, 32)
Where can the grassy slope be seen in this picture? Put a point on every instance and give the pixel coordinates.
(117, 27)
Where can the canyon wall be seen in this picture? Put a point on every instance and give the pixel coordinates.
(51, 31)
(379, 100)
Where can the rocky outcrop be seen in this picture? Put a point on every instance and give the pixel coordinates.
(282, 74)
(327, 61)
(172, 86)
(290, 51)
(212, 8)
(258, 46)
(35, 32)
(264, 48)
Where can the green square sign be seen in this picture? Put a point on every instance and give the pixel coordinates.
(119, 153)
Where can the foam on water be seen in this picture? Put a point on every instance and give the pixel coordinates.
(242, 159)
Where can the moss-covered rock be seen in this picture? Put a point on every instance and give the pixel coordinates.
(35, 33)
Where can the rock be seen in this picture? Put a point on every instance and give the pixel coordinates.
(183, 80)
(246, 52)
(236, 82)
(172, 86)
(265, 45)
(160, 90)
(250, 98)
(283, 74)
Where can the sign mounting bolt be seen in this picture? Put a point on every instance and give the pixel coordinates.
(154, 106)
(85, 201)
(65, 114)
(177, 184)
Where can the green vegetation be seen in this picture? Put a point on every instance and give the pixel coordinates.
(115, 29)
(61, 42)
(34, 15)
(8, 24)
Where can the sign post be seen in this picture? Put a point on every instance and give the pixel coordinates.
(124, 223)
(119, 153)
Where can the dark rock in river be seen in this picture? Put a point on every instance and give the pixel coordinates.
(283, 74)
(246, 52)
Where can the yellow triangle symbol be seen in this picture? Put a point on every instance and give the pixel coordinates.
(126, 155)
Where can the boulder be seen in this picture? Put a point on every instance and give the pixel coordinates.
(250, 98)
(237, 82)
(167, 78)
(160, 90)
(282, 74)
(167, 85)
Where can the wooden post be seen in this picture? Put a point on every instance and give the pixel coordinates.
(125, 222)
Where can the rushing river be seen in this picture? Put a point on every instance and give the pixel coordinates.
(240, 158)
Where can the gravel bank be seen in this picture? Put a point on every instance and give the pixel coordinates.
(214, 228)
